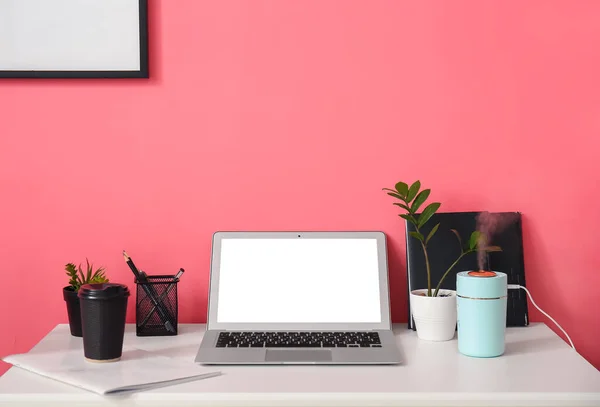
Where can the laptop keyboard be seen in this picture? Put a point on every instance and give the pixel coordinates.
(298, 340)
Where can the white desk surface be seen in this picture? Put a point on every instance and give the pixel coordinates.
(538, 369)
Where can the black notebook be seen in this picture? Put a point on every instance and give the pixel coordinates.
(444, 248)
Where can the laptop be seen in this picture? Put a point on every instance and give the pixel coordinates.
(298, 298)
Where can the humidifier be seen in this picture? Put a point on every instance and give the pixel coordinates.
(481, 313)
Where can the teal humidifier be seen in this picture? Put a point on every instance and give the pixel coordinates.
(481, 313)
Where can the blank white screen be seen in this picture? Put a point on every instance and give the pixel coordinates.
(299, 281)
(69, 35)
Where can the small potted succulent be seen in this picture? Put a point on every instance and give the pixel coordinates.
(433, 308)
(77, 278)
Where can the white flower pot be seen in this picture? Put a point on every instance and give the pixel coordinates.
(435, 317)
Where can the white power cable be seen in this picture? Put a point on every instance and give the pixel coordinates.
(516, 287)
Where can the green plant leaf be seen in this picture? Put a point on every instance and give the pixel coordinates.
(409, 218)
(417, 236)
(99, 277)
(81, 275)
(396, 195)
(97, 273)
(430, 235)
(402, 188)
(71, 271)
(474, 239)
(422, 197)
(457, 236)
(403, 206)
(88, 275)
(492, 249)
(412, 191)
(428, 213)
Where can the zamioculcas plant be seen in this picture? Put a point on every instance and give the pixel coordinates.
(411, 200)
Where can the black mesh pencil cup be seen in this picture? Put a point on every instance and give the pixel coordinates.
(156, 305)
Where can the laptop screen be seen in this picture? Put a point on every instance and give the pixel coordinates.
(299, 281)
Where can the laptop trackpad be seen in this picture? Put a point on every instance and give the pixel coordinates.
(298, 355)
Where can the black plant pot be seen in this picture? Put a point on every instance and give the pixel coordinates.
(73, 310)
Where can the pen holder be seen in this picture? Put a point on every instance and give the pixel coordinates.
(156, 306)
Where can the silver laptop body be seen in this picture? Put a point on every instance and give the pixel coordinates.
(298, 298)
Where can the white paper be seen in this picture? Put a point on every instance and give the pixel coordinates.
(136, 370)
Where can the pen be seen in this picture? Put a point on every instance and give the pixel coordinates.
(167, 291)
(163, 314)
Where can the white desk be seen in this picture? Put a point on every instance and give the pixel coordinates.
(538, 369)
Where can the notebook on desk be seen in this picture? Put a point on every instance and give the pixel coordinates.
(444, 249)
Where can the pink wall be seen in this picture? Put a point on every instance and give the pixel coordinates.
(294, 115)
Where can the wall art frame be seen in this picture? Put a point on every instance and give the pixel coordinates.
(74, 39)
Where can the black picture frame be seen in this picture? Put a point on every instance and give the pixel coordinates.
(143, 72)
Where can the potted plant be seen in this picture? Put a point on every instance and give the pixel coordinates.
(433, 308)
(77, 278)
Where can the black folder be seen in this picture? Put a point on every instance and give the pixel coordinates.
(443, 250)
